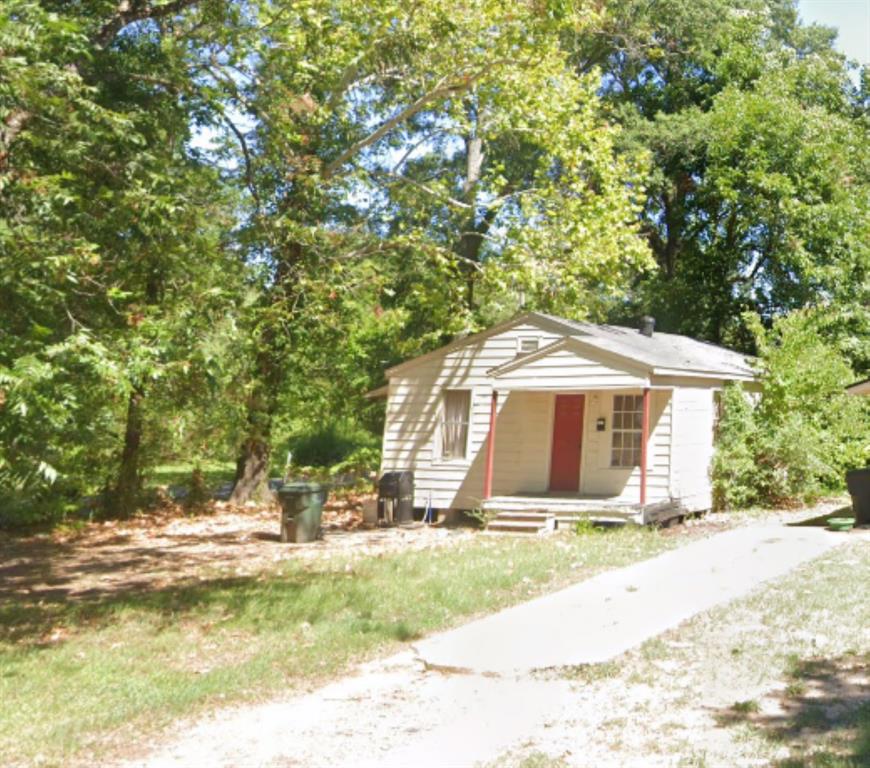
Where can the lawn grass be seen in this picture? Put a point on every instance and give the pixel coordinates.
(76, 680)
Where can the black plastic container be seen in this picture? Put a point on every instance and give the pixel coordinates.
(858, 483)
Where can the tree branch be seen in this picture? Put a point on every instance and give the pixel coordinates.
(249, 173)
(400, 179)
(441, 90)
(129, 11)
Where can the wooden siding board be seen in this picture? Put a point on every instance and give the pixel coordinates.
(693, 446)
(413, 413)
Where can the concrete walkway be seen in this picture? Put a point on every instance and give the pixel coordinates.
(603, 617)
(401, 712)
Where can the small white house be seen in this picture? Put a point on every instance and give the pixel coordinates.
(560, 417)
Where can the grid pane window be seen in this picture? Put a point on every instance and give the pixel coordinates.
(625, 447)
(454, 424)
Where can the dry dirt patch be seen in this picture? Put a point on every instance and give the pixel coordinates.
(160, 550)
(157, 551)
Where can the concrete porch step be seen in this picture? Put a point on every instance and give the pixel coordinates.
(517, 527)
(557, 505)
(523, 522)
(568, 521)
(525, 517)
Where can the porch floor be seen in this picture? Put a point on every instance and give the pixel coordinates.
(568, 506)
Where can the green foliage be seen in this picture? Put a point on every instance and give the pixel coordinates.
(54, 429)
(220, 222)
(758, 192)
(734, 464)
(113, 271)
(481, 517)
(584, 526)
(340, 446)
(803, 433)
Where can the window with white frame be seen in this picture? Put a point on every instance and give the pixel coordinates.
(454, 423)
(625, 449)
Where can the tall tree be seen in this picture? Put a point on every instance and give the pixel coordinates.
(758, 185)
(436, 132)
(108, 227)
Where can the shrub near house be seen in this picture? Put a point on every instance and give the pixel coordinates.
(803, 433)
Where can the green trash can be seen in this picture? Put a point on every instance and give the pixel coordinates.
(301, 509)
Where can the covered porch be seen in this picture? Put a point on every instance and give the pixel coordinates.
(595, 447)
(601, 439)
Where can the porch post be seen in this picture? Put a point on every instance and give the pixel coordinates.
(490, 446)
(644, 439)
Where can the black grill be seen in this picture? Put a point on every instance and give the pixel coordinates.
(396, 497)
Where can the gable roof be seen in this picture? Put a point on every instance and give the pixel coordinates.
(663, 353)
(463, 341)
(861, 388)
(574, 345)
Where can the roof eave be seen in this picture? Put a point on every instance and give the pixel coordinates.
(458, 343)
(704, 374)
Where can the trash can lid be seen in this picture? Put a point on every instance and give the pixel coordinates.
(301, 487)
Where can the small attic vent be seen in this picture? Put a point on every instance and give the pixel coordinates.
(528, 344)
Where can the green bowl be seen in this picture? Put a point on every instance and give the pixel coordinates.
(841, 523)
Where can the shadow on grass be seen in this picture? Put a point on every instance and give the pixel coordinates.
(823, 715)
(35, 570)
(289, 599)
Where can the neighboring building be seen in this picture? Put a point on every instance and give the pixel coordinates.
(546, 414)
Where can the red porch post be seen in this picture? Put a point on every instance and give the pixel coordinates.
(644, 439)
(490, 446)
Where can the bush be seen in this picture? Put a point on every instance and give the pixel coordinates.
(338, 447)
(802, 433)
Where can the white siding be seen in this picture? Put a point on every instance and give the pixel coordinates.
(693, 446)
(564, 369)
(599, 478)
(414, 411)
(681, 423)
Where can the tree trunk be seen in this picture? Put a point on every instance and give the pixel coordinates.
(125, 496)
(251, 482)
(471, 238)
(252, 472)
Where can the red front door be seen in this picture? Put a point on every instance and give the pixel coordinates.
(567, 440)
